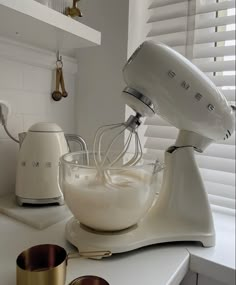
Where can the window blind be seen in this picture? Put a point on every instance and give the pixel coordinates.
(204, 32)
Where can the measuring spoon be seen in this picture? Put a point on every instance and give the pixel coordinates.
(57, 95)
(64, 92)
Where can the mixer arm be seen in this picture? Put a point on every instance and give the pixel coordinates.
(188, 138)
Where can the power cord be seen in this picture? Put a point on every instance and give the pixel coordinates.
(3, 122)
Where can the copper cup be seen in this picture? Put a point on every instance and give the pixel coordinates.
(89, 280)
(46, 264)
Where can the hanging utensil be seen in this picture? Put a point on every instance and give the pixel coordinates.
(57, 95)
(62, 82)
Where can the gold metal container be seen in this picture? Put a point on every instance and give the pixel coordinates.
(89, 280)
(42, 265)
(46, 264)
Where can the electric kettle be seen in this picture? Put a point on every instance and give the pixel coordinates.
(37, 178)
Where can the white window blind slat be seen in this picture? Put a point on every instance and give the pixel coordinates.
(180, 24)
(180, 38)
(161, 132)
(208, 175)
(201, 9)
(167, 26)
(216, 163)
(214, 7)
(222, 201)
(223, 210)
(219, 177)
(229, 94)
(181, 49)
(173, 39)
(202, 37)
(166, 12)
(156, 131)
(204, 31)
(215, 22)
(220, 151)
(160, 3)
(216, 66)
(158, 128)
(215, 150)
(221, 80)
(162, 143)
(159, 154)
(206, 52)
(220, 190)
(205, 162)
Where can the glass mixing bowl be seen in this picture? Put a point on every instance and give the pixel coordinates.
(112, 199)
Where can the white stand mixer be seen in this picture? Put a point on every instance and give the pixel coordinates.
(162, 81)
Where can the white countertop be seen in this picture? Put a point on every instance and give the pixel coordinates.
(217, 262)
(159, 264)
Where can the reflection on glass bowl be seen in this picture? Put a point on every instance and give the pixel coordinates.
(111, 199)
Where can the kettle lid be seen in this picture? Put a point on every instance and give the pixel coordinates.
(45, 127)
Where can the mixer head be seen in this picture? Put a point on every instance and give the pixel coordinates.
(160, 80)
(180, 93)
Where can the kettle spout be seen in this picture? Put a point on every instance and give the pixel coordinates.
(21, 137)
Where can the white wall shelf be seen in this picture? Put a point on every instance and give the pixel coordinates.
(29, 22)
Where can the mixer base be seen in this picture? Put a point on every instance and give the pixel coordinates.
(150, 231)
(181, 213)
(57, 200)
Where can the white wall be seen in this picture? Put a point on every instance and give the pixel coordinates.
(100, 69)
(26, 79)
(138, 15)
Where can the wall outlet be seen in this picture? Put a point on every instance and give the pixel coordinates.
(4, 112)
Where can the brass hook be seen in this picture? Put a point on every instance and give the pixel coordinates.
(75, 3)
(59, 61)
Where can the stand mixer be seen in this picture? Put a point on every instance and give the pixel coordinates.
(161, 81)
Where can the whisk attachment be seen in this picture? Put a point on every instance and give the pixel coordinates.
(133, 122)
(131, 125)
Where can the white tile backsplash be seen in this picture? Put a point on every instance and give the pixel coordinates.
(14, 125)
(8, 159)
(26, 102)
(29, 120)
(11, 76)
(27, 88)
(37, 79)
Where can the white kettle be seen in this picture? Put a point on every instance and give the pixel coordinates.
(37, 178)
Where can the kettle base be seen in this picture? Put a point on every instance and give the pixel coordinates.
(57, 200)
